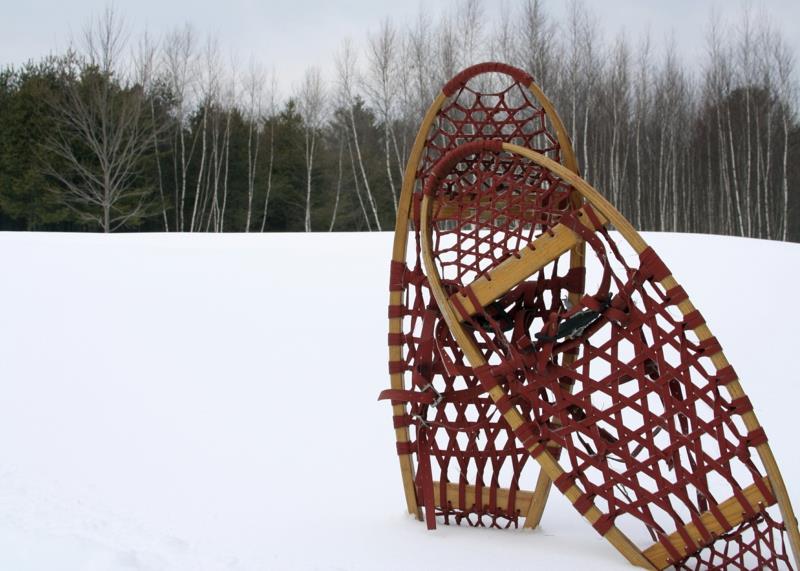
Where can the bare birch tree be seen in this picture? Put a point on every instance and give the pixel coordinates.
(470, 29)
(448, 60)
(209, 89)
(102, 133)
(180, 60)
(535, 43)
(272, 107)
(147, 73)
(418, 53)
(380, 86)
(253, 114)
(339, 174)
(311, 104)
(221, 151)
(642, 99)
(347, 80)
(787, 91)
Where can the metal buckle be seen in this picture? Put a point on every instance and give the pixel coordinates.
(439, 396)
(421, 420)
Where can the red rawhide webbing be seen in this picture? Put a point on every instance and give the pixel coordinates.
(463, 78)
(457, 435)
(648, 432)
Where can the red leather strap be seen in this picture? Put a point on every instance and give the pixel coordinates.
(603, 524)
(583, 504)
(710, 346)
(756, 437)
(397, 367)
(677, 294)
(403, 395)
(405, 448)
(462, 78)
(742, 405)
(652, 266)
(397, 272)
(674, 554)
(395, 339)
(564, 482)
(726, 375)
(694, 319)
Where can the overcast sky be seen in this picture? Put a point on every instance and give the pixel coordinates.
(290, 35)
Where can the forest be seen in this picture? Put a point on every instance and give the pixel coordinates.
(127, 132)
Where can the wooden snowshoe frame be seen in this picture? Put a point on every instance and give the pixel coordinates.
(444, 423)
(656, 434)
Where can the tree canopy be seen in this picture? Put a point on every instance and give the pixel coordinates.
(163, 136)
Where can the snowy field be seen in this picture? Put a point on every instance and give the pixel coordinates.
(206, 402)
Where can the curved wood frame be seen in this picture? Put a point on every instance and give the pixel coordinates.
(650, 558)
(399, 252)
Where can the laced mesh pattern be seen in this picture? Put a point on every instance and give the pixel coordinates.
(508, 113)
(649, 431)
(463, 443)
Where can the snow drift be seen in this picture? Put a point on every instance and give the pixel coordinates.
(207, 402)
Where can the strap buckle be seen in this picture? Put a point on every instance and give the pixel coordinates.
(439, 396)
(421, 419)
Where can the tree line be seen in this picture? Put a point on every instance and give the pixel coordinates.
(164, 134)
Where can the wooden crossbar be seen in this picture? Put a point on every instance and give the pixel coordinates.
(732, 510)
(446, 210)
(522, 501)
(527, 262)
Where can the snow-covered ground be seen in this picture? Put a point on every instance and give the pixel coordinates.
(203, 402)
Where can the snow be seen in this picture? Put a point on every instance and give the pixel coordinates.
(204, 402)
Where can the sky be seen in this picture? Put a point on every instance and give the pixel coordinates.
(289, 36)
